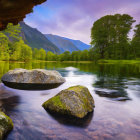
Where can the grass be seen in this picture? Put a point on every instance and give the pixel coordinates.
(119, 61)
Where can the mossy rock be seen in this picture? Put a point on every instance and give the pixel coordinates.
(6, 125)
(75, 101)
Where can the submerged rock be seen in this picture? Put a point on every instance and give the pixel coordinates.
(6, 125)
(114, 94)
(122, 99)
(109, 93)
(75, 101)
(36, 79)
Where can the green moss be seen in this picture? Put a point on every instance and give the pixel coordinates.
(6, 124)
(55, 102)
(76, 88)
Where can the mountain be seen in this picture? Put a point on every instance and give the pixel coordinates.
(62, 43)
(49, 42)
(36, 39)
(65, 44)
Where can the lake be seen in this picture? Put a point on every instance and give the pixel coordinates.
(114, 87)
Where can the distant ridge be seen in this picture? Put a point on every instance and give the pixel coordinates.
(65, 44)
(80, 45)
(62, 43)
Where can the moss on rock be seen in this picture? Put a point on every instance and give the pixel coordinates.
(6, 125)
(75, 101)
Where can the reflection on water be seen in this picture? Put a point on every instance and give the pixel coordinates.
(66, 120)
(111, 120)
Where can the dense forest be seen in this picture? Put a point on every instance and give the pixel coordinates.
(109, 40)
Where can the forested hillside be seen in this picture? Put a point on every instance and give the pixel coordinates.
(36, 39)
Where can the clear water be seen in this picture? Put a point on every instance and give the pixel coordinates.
(111, 120)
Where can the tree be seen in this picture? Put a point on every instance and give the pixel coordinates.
(16, 52)
(136, 42)
(84, 55)
(66, 56)
(26, 52)
(42, 54)
(35, 54)
(22, 52)
(13, 31)
(50, 56)
(4, 52)
(12, 46)
(109, 34)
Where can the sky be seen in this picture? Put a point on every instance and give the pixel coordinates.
(74, 18)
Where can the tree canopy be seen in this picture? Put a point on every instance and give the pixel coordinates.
(109, 34)
(136, 41)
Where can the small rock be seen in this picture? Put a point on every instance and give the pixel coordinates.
(114, 94)
(75, 101)
(122, 99)
(6, 125)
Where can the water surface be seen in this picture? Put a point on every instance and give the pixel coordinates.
(112, 119)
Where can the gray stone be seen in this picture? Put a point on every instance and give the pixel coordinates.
(32, 79)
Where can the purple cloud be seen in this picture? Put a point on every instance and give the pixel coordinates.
(74, 18)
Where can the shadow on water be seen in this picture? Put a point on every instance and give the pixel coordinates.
(31, 86)
(8, 100)
(72, 121)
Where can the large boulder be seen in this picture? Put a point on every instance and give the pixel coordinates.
(6, 125)
(36, 79)
(75, 101)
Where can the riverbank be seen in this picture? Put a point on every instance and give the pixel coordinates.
(64, 61)
(98, 62)
(118, 61)
(38, 61)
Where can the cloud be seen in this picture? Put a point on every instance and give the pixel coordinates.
(74, 18)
